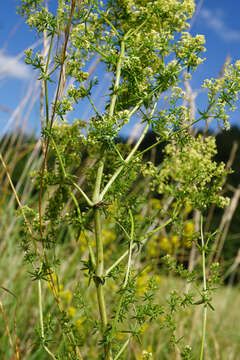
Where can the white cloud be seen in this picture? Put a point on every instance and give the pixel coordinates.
(214, 20)
(11, 67)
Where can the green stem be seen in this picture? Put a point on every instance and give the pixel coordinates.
(159, 227)
(175, 132)
(204, 315)
(109, 23)
(117, 79)
(73, 196)
(46, 80)
(92, 257)
(41, 320)
(93, 106)
(98, 182)
(129, 157)
(122, 349)
(90, 203)
(46, 103)
(130, 251)
(126, 161)
(118, 261)
(40, 308)
(99, 255)
(135, 244)
(97, 224)
(115, 321)
(99, 243)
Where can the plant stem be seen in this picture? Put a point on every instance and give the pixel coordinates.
(122, 349)
(91, 253)
(130, 251)
(40, 308)
(41, 320)
(99, 243)
(65, 173)
(99, 272)
(130, 155)
(117, 79)
(126, 161)
(204, 315)
(46, 81)
(173, 133)
(122, 257)
(115, 321)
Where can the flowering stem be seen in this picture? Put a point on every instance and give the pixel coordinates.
(99, 271)
(204, 315)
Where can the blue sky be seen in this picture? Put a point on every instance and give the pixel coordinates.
(217, 20)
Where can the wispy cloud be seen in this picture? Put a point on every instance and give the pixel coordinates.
(11, 67)
(214, 20)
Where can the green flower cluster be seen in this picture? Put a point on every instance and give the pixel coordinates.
(188, 173)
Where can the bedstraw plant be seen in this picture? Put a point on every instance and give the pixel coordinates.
(88, 182)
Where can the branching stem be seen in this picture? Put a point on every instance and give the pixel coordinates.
(124, 255)
(115, 321)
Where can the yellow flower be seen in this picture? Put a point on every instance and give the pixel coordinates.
(81, 238)
(188, 232)
(107, 254)
(120, 335)
(155, 203)
(162, 319)
(189, 228)
(111, 285)
(144, 328)
(165, 244)
(158, 279)
(141, 284)
(174, 240)
(153, 251)
(79, 323)
(71, 311)
(187, 242)
(66, 295)
(188, 208)
(108, 236)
